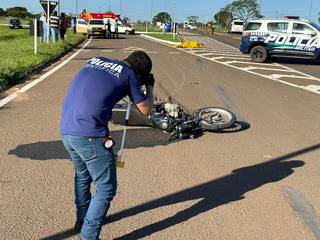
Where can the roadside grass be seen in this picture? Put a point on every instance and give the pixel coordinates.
(155, 32)
(17, 52)
(148, 28)
(166, 37)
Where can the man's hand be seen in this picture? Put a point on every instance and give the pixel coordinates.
(150, 80)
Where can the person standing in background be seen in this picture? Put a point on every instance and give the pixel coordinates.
(108, 28)
(169, 27)
(212, 29)
(63, 26)
(44, 22)
(116, 28)
(73, 25)
(54, 26)
(163, 28)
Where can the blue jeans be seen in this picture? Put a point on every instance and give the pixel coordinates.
(55, 34)
(44, 37)
(92, 164)
(45, 32)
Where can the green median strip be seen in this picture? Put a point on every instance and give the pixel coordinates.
(17, 52)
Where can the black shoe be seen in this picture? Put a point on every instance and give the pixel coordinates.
(78, 226)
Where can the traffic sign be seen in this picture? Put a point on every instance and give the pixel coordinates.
(52, 6)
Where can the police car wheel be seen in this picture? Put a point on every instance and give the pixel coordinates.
(127, 32)
(259, 54)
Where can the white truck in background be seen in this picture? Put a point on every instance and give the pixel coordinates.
(122, 27)
(187, 24)
(234, 25)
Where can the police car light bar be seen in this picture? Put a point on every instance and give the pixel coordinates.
(292, 17)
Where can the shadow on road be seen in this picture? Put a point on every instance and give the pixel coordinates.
(212, 194)
(297, 61)
(135, 138)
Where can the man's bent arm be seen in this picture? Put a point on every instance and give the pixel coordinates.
(145, 107)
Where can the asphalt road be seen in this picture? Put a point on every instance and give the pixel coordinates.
(310, 67)
(259, 182)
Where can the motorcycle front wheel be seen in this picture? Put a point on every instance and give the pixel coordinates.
(213, 118)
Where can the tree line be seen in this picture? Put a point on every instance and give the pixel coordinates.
(241, 9)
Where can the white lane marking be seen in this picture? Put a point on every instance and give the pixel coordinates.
(226, 57)
(151, 52)
(33, 83)
(106, 50)
(246, 63)
(304, 74)
(221, 53)
(8, 99)
(134, 49)
(267, 69)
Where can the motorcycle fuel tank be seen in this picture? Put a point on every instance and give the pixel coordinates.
(135, 117)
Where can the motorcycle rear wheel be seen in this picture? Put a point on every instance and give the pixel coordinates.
(221, 119)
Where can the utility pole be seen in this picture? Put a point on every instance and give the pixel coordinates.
(76, 9)
(165, 14)
(151, 13)
(310, 11)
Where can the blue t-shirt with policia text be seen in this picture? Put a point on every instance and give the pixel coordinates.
(99, 85)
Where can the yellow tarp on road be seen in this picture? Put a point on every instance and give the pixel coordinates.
(189, 44)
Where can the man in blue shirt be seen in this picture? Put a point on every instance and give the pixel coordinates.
(86, 111)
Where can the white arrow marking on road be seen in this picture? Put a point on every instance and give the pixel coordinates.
(134, 49)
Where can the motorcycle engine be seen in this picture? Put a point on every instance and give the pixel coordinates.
(161, 121)
(172, 109)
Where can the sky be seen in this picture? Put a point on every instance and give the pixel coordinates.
(180, 10)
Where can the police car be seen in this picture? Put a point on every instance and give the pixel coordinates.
(275, 38)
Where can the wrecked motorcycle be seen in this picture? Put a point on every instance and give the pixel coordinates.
(171, 118)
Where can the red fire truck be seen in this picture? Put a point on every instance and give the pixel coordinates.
(109, 15)
(82, 23)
